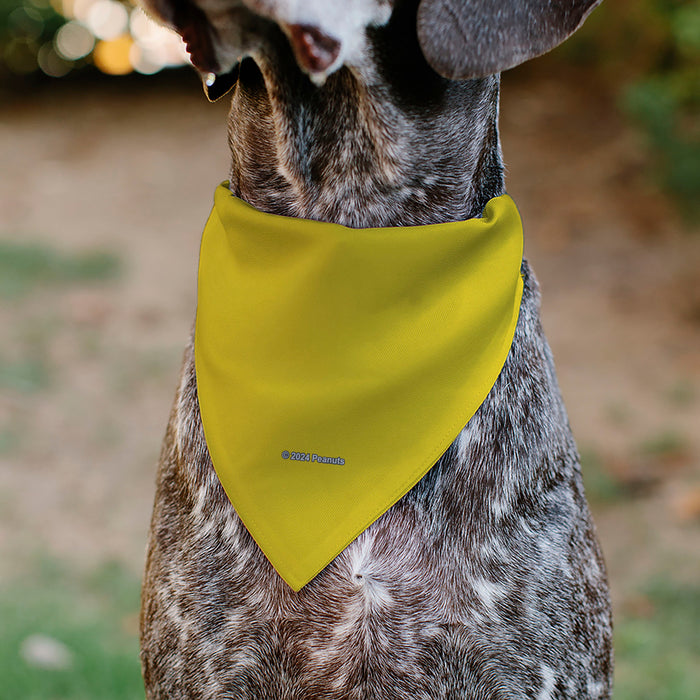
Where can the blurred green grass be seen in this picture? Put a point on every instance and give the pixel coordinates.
(26, 266)
(658, 647)
(25, 375)
(93, 616)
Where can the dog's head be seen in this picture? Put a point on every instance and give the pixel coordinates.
(460, 39)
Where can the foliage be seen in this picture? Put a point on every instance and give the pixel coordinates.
(649, 51)
(666, 103)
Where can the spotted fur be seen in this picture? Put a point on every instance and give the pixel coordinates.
(486, 580)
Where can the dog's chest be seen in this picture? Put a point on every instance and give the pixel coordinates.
(479, 582)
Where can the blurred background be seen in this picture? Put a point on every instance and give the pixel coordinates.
(109, 156)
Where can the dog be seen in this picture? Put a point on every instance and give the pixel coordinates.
(486, 579)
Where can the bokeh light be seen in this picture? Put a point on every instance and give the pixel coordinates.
(58, 36)
(26, 20)
(112, 55)
(52, 63)
(74, 40)
(107, 19)
(20, 55)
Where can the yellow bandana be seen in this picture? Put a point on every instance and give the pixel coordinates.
(336, 365)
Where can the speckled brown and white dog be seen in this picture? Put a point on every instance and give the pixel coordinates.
(484, 581)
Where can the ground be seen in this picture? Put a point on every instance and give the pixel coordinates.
(105, 192)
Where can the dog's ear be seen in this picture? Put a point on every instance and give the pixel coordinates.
(191, 23)
(474, 38)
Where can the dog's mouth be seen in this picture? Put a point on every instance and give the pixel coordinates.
(218, 41)
(315, 51)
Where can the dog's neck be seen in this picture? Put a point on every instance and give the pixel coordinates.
(389, 144)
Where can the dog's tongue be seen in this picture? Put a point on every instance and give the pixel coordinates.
(314, 50)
